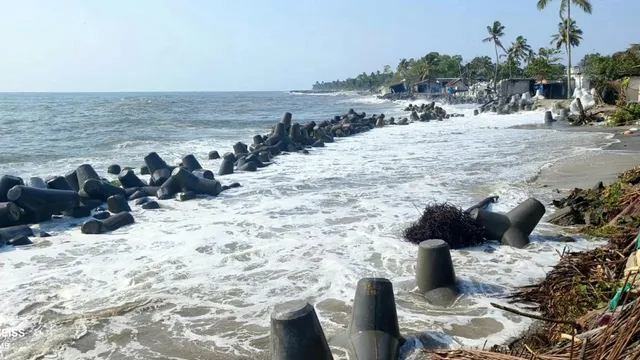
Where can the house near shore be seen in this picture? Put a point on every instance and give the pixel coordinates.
(456, 86)
(551, 89)
(444, 81)
(400, 87)
(509, 87)
(427, 87)
(440, 86)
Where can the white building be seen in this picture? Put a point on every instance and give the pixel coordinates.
(578, 79)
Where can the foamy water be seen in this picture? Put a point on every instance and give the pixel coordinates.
(198, 280)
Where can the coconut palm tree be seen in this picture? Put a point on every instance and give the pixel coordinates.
(521, 50)
(565, 6)
(495, 33)
(403, 67)
(560, 39)
(510, 56)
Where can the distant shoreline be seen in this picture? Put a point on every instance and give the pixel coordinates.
(360, 92)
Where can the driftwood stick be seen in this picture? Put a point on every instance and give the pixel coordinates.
(583, 349)
(591, 333)
(574, 324)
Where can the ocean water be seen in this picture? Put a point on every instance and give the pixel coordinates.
(198, 280)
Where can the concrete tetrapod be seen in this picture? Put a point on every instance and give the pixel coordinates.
(96, 189)
(10, 232)
(154, 162)
(37, 182)
(191, 163)
(513, 228)
(42, 203)
(435, 274)
(190, 182)
(9, 214)
(483, 204)
(205, 174)
(160, 176)
(296, 333)
(85, 172)
(495, 224)
(59, 183)
(72, 180)
(128, 179)
(524, 219)
(6, 183)
(374, 333)
(168, 189)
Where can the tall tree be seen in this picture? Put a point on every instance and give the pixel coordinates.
(495, 33)
(546, 65)
(565, 5)
(510, 67)
(427, 66)
(521, 50)
(560, 39)
(403, 67)
(479, 68)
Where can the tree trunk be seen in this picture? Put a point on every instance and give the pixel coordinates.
(510, 69)
(495, 77)
(568, 50)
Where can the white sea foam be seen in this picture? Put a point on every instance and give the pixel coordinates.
(202, 276)
(336, 93)
(365, 100)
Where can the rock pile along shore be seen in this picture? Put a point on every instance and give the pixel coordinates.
(82, 193)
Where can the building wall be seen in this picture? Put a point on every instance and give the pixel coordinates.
(580, 81)
(460, 86)
(398, 88)
(432, 88)
(633, 92)
(512, 87)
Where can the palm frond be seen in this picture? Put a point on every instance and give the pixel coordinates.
(542, 4)
(585, 5)
(499, 44)
(563, 8)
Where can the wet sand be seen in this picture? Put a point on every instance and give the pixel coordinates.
(584, 171)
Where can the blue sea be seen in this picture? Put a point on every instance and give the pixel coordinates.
(198, 279)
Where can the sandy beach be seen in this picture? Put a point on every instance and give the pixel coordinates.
(586, 170)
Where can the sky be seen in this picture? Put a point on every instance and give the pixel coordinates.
(262, 45)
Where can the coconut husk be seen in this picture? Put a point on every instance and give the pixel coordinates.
(445, 222)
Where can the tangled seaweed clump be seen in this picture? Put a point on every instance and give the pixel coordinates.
(445, 222)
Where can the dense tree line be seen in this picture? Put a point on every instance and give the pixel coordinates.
(360, 82)
(511, 61)
(519, 61)
(604, 69)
